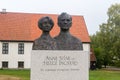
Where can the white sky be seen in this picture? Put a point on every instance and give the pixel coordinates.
(94, 11)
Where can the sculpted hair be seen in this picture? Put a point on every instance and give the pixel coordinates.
(40, 21)
(63, 14)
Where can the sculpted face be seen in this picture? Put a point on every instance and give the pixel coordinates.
(65, 21)
(45, 24)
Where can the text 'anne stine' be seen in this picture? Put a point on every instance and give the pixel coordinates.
(60, 60)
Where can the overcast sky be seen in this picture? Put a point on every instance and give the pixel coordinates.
(94, 11)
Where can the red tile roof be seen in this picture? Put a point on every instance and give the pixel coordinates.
(23, 27)
(92, 55)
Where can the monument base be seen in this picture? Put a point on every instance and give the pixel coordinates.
(59, 65)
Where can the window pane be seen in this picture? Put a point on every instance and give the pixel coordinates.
(20, 64)
(5, 48)
(4, 64)
(21, 48)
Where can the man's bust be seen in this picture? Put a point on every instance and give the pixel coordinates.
(65, 41)
(45, 41)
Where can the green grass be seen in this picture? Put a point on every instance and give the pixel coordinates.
(104, 75)
(94, 75)
(23, 74)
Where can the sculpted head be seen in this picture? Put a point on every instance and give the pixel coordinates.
(45, 24)
(64, 21)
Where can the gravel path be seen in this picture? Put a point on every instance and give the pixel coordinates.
(112, 68)
(6, 77)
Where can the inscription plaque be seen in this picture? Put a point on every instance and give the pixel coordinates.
(59, 65)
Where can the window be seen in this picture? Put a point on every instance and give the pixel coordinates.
(5, 64)
(20, 64)
(21, 48)
(5, 48)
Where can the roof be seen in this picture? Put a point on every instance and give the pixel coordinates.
(92, 55)
(23, 27)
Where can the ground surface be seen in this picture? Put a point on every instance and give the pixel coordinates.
(6, 77)
(110, 73)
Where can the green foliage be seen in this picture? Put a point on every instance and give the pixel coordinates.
(99, 57)
(108, 37)
(117, 63)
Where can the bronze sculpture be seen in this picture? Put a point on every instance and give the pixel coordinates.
(45, 41)
(65, 41)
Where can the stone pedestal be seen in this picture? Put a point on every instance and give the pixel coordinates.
(59, 65)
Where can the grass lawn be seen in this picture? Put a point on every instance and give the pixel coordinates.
(94, 75)
(104, 75)
(23, 74)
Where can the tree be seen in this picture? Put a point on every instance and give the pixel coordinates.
(114, 23)
(108, 37)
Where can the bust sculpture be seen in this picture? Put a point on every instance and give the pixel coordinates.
(45, 41)
(65, 41)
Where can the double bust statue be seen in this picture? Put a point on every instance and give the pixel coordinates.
(64, 41)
